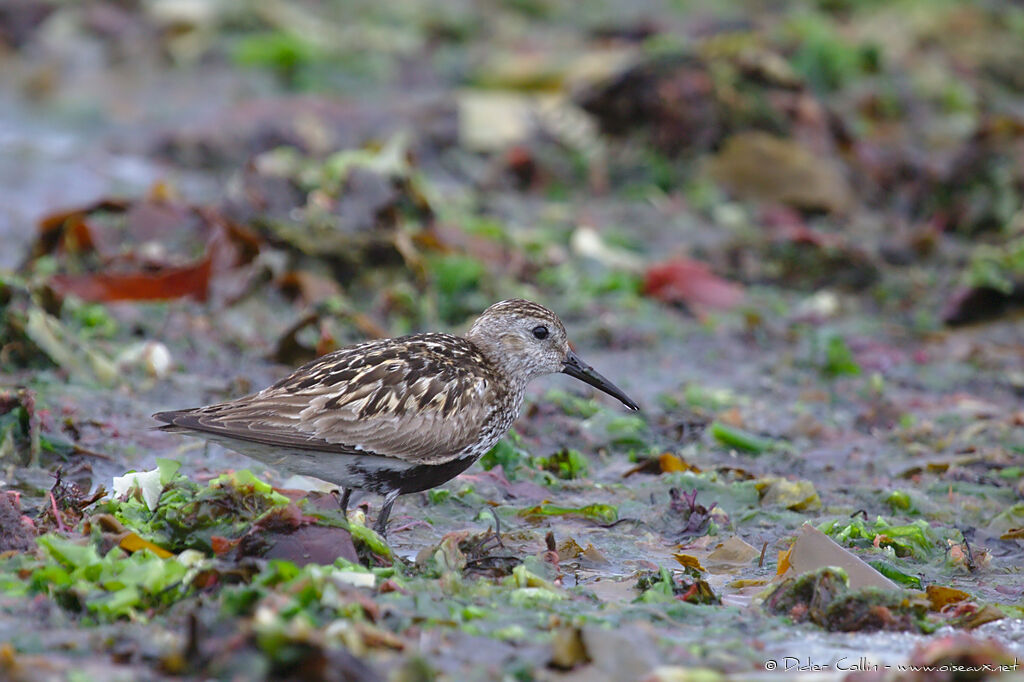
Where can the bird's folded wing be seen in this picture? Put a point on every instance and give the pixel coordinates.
(419, 405)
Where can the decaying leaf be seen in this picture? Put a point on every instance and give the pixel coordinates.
(732, 555)
(662, 464)
(1013, 534)
(188, 281)
(133, 543)
(689, 561)
(567, 649)
(141, 250)
(569, 549)
(794, 495)
(691, 283)
(813, 550)
(760, 166)
(303, 543)
(975, 618)
(941, 596)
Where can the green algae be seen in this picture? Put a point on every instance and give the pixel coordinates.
(507, 453)
(189, 515)
(900, 500)
(917, 539)
(824, 597)
(565, 464)
(601, 513)
(99, 586)
(663, 587)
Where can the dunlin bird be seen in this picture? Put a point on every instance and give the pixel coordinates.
(402, 415)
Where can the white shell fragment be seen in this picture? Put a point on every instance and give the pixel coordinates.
(148, 482)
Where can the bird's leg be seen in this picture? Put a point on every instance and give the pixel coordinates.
(382, 519)
(346, 493)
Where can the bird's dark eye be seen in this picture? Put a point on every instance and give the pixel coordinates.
(540, 332)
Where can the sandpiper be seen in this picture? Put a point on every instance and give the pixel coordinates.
(402, 415)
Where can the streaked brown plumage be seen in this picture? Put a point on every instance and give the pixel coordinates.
(401, 415)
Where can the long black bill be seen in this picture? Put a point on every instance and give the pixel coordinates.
(575, 367)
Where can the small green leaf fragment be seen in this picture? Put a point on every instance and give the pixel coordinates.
(438, 495)
(896, 575)
(168, 468)
(839, 360)
(740, 439)
(899, 499)
(370, 538)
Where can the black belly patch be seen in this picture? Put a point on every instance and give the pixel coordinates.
(414, 479)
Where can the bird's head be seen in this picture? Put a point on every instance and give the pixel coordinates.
(527, 340)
